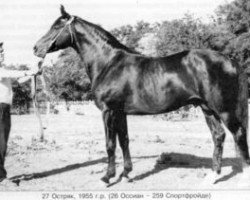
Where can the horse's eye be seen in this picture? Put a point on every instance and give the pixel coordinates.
(60, 24)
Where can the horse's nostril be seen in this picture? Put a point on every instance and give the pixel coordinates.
(35, 48)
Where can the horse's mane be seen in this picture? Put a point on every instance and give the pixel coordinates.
(105, 35)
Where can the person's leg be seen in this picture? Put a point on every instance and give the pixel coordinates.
(4, 135)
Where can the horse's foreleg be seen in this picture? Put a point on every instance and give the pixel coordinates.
(218, 135)
(122, 130)
(109, 119)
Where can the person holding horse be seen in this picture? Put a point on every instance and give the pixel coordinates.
(6, 95)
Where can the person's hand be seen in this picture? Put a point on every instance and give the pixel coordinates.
(37, 69)
(32, 72)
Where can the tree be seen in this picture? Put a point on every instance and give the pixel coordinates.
(147, 44)
(131, 35)
(181, 34)
(68, 78)
(235, 16)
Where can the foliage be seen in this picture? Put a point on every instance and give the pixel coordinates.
(68, 78)
(181, 34)
(130, 36)
(235, 16)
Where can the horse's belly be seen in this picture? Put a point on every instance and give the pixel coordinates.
(157, 93)
(149, 104)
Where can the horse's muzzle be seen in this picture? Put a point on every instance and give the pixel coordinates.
(39, 53)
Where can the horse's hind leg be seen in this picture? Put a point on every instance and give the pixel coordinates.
(122, 130)
(236, 118)
(218, 135)
(238, 127)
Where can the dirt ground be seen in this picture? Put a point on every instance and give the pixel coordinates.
(73, 157)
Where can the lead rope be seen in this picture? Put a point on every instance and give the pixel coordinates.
(35, 103)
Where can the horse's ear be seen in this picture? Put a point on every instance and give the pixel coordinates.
(64, 13)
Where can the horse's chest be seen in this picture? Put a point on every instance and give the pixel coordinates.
(110, 96)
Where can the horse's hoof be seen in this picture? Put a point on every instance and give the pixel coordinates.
(125, 179)
(105, 180)
(16, 181)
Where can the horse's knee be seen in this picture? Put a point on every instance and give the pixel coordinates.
(110, 146)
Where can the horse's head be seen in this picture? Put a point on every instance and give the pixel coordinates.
(1, 53)
(59, 36)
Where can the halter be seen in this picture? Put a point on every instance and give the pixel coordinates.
(68, 24)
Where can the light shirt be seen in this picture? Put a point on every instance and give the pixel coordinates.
(6, 78)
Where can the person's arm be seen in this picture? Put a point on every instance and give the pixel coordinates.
(4, 73)
(15, 74)
(24, 79)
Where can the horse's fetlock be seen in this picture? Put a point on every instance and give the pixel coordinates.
(128, 168)
(111, 172)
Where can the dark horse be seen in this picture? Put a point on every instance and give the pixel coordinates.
(125, 82)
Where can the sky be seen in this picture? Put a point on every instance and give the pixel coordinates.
(23, 22)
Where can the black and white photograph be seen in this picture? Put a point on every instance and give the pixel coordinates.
(124, 99)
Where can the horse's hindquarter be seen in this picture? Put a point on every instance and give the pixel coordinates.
(216, 79)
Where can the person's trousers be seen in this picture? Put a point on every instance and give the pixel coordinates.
(5, 124)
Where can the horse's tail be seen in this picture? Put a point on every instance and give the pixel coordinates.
(242, 104)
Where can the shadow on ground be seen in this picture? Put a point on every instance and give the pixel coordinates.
(178, 160)
(27, 177)
(166, 160)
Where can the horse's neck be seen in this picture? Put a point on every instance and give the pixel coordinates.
(93, 48)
